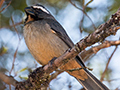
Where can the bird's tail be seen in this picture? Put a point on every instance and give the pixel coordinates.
(92, 83)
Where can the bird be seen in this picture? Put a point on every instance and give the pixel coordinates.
(47, 39)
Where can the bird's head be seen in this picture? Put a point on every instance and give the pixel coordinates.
(37, 12)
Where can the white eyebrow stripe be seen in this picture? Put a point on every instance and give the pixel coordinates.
(39, 7)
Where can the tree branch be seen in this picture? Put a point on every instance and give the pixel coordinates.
(8, 79)
(86, 54)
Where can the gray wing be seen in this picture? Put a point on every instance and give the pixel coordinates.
(60, 32)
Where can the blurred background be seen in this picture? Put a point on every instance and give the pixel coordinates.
(79, 18)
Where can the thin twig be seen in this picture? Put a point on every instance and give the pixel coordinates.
(81, 21)
(15, 28)
(16, 48)
(112, 80)
(12, 25)
(1, 3)
(106, 68)
(9, 87)
(84, 13)
(6, 6)
(14, 58)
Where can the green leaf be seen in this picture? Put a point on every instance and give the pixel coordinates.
(23, 69)
(88, 3)
(23, 77)
(4, 49)
(87, 9)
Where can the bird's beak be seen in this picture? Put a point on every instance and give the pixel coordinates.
(29, 11)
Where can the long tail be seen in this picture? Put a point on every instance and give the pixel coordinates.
(92, 83)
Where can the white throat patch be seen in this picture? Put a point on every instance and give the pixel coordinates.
(43, 9)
